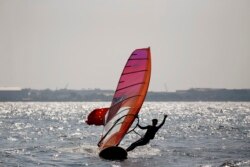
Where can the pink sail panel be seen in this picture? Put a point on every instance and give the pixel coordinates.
(128, 98)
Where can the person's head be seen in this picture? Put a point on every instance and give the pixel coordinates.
(154, 121)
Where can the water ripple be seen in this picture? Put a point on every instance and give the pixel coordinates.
(195, 134)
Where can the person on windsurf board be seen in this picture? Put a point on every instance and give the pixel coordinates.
(149, 135)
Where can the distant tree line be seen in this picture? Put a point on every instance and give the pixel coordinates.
(64, 95)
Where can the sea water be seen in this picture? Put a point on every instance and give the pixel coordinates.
(202, 134)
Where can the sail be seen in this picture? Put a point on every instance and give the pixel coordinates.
(128, 98)
(97, 116)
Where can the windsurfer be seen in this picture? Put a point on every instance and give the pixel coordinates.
(149, 135)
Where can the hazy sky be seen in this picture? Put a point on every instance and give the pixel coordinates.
(86, 43)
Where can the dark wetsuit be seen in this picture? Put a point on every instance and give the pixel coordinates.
(150, 134)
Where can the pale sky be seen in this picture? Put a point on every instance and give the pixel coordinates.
(86, 43)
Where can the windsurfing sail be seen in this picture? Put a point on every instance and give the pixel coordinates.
(97, 116)
(128, 98)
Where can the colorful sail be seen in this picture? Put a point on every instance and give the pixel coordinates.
(128, 98)
(97, 116)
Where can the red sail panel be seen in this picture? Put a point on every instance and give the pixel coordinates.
(128, 98)
(97, 116)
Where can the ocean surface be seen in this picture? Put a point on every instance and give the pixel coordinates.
(195, 134)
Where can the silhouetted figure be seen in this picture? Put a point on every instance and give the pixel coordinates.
(149, 135)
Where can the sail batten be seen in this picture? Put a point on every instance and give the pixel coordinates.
(138, 59)
(134, 72)
(124, 100)
(129, 86)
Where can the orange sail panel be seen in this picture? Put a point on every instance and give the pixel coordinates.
(128, 98)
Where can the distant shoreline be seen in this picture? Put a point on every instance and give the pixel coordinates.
(93, 95)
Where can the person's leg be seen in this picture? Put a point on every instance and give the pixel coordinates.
(140, 142)
(131, 147)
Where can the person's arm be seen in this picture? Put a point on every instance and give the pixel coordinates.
(162, 123)
(142, 127)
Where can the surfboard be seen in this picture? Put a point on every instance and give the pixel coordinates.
(113, 153)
